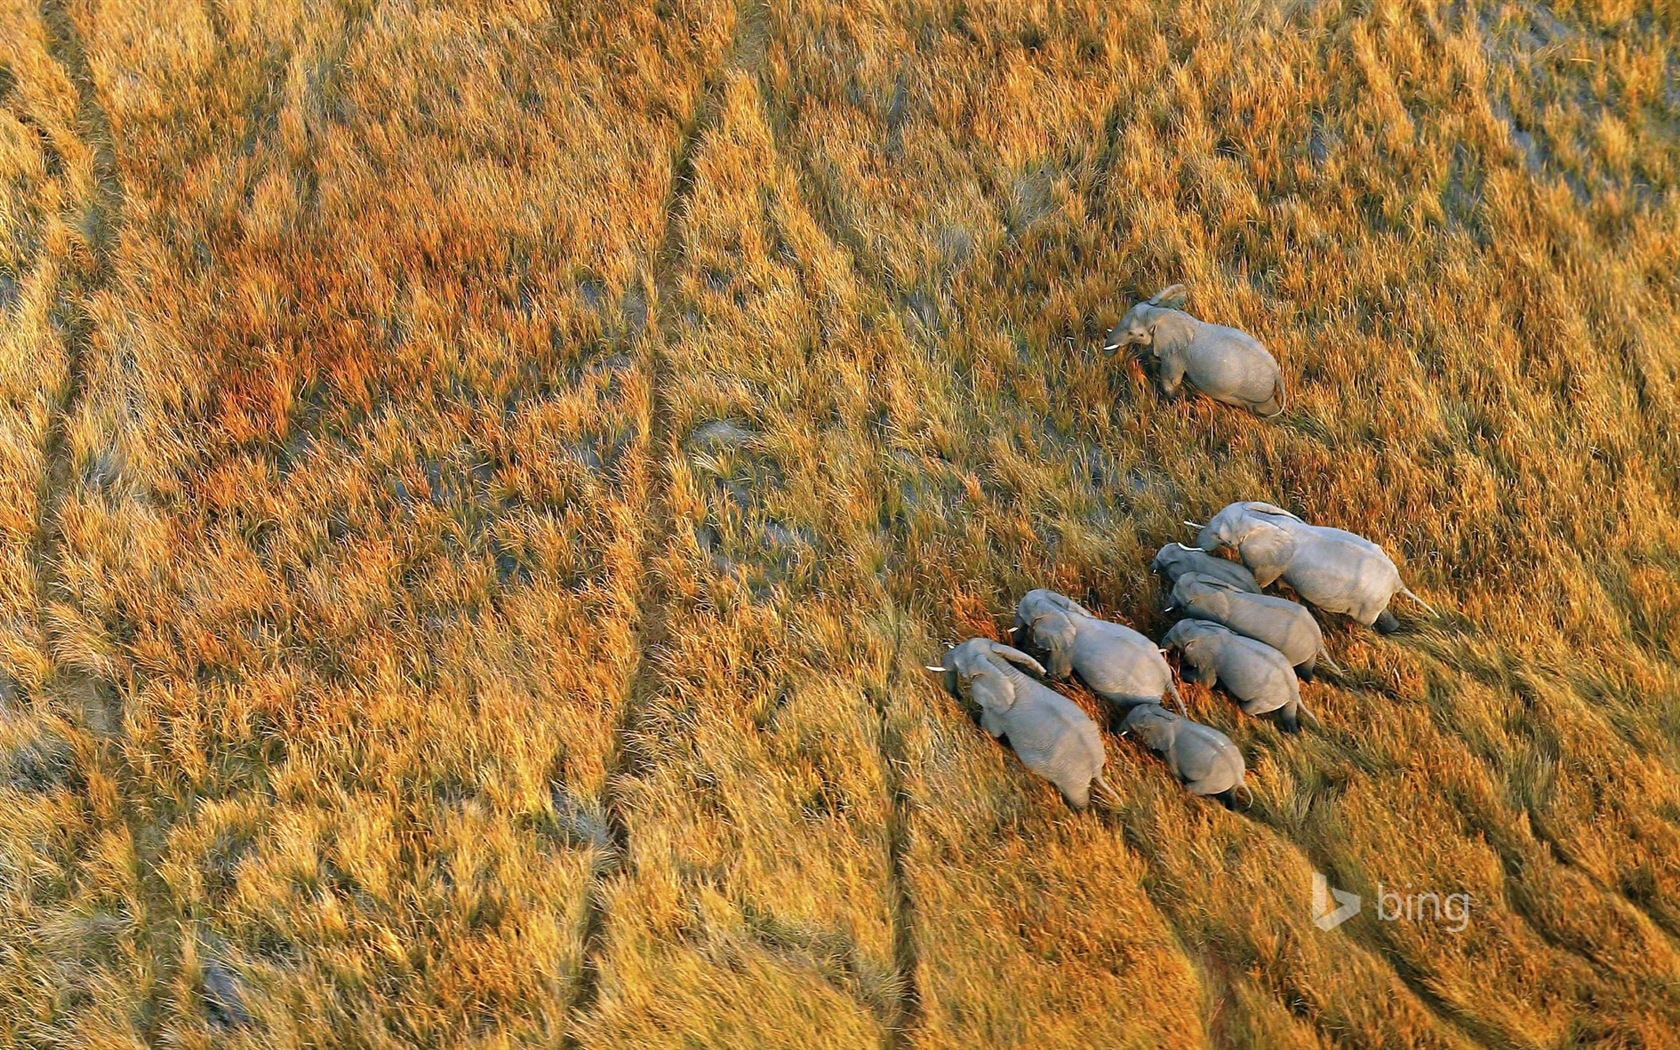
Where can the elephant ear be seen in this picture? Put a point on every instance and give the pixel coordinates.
(1160, 735)
(1190, 586)
(1267, 551)
(1191, 645)
(1215, 582)
(1267, 508)
(1171, 297)
(1156, 730)
(992, 690)
(1048, 639)
(1075, 607)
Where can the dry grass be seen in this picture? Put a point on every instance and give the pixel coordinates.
(481, 484)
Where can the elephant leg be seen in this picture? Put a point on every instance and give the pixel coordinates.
(1172, 375)
(1207, 788)
(1304, 670)
(1207, 676)
(1386, 623)
(1272, 405)
(1225, 797)
(1289, 716)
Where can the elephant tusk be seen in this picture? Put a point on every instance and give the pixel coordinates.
(927, 667)
(1111, 346)
(1195, 525)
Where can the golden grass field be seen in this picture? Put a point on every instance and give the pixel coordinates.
(481, 482)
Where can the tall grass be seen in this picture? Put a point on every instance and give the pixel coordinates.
(483, 481)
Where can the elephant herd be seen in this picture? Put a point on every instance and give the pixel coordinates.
(1256, 646)
(1231, 634)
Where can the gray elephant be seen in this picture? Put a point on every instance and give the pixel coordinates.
(1175, 559)
(1119, 664)
(1256, 675)
(1226, 364)
(1053, 737)
(1335, 570)
(1284, 625)
(1200, 756)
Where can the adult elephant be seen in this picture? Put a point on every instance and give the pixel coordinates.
(1226, 364)
(1336, 570)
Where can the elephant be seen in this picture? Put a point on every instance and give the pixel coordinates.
(1052, 736)
(1284, 625)
(1175, 559)
(1258, 676)
(1200, 756)
(1119, 664)
(1226, 364)
(1338, 571)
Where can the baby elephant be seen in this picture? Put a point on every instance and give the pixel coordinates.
(1258, 676)
(1282, 624)
(1337, 571)
(1200, 756)
(1053, 737)
(1119, 664)
(1175, 559)
(1227, 365)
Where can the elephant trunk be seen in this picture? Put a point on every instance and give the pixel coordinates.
(1207, 540)
(1118, 339)
(1012, 655)
(1016, 675)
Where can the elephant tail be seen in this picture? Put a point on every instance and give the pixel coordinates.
(1407, 591)
(1178, 701)
(1305, 710)
(1324, 657)
(1247, 790)
(1109, 796)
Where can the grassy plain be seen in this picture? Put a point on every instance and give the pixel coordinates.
(481, 483)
